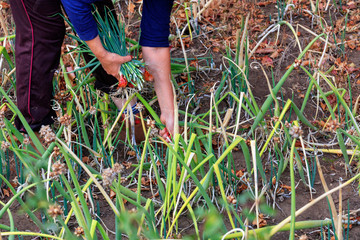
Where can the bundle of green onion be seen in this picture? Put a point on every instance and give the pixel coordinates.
(112, 36)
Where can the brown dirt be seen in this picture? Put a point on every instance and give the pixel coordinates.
(333, 168)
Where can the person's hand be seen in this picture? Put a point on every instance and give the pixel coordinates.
(168, 121)
(111, 62)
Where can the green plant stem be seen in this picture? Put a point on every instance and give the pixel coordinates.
(298, 225)
(276, 89)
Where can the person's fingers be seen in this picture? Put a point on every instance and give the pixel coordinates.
(165, 134)
(162, 132)
(170, 128)
(123, 59)
(113, 64)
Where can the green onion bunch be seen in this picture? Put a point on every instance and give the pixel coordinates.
(112, 36)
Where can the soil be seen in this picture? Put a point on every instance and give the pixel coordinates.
(210, 45)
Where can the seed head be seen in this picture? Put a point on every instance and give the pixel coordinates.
(295, 131)
(332, 125)
(55, 210)
(50, 137)
(2, 123)
(58, 168)
(92, 110)
(65, 120)
(231, 199)
(5, 145)
(44, 130)
(79, 231)
(48, 134)
(26, 141)
(153, 132)
(139, 107)
(213, 129)
(150, 123)
(118, 168)
(297, 63)
(110, 174)
(56, 151)
(275, 119)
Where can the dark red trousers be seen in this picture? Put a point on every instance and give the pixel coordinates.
(39, 36)
(40, 31)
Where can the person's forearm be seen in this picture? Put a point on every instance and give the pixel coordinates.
(97, 48)
(158, 62)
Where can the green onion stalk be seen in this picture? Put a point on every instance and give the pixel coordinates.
(112, 36)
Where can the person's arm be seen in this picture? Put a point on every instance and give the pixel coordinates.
(157, 60)
(79, 13)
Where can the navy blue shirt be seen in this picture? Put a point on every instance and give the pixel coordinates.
(79, 13)
(154, 24)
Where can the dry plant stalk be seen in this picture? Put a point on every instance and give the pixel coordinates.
(227, 117)
(253, 152)
(195, 7)
(243, 38)
(326, 189)
(3, 25)
(338, 227)
(210, 3)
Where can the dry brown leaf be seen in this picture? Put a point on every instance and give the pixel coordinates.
(275, 54)
(86, 159)
(323, 106)
(351, 5)
(131, 153)
(286, 187)
(267, 61)
(6, 192)
(351, 44)
(215, 49)
(265, 50)
(241, 188)
(145, 181)
(239, 173)
(246, 126)
(4, 5)
(112, 194)
(127, 164)
(263, 4)
(131, 7)
(262, 221)
(155, 195)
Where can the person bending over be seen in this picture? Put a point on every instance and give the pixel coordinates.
(39, 35)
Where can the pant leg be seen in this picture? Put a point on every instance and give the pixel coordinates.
(155, 23)
(39, 36)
